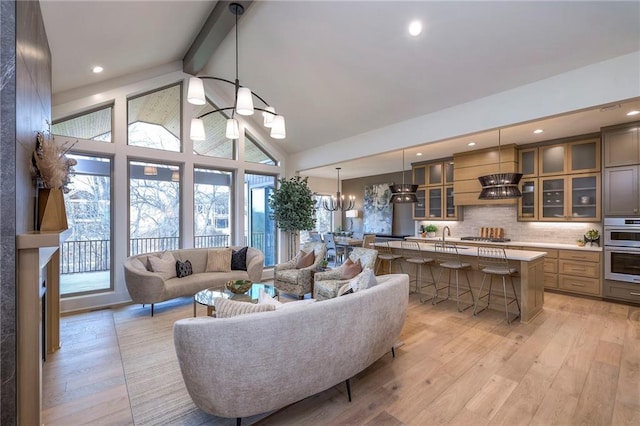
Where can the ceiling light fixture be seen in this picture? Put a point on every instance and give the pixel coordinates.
(500, 186)
(419, 154)
(471, 144)
(338, 202)
(538, 131)
(634, 112)
(415, 28)
(97, 69)
(404, 193)
(243, 104)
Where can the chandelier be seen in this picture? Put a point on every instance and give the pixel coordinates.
(405, 192)
(338, 202)
(500, 186)
(243, 104)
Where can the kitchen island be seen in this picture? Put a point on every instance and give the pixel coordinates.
(529, 280)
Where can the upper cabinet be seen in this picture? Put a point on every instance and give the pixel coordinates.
(435, 191)
(622, 146)
(469, 166)
(560, 182)
(568, 158)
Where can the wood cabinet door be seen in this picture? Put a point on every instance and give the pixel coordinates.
(420, 208)
(528, 203)
(621, 195)
(621, 147)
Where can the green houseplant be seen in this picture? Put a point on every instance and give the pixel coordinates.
(431, 229)
(293, 208)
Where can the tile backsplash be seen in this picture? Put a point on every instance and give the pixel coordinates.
(504, 216)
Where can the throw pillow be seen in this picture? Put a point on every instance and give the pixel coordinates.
(239, 259)
(305, 260)
(366, 279)
(219, 260)
(164, 265)
(350, 269)
(183, 269)
(226, 308)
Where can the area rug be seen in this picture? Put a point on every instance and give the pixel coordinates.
(157, 392)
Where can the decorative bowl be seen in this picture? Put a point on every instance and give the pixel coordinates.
(239, 286)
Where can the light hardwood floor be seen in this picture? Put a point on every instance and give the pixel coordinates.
(576, 363)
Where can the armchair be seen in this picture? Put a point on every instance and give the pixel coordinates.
(288, 279)
(327, 284)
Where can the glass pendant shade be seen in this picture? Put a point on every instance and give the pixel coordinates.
(244, 103)
(233, 129)
(500, 186)
(278, 130)
(195, 92)
(197, 132)
(268, 118)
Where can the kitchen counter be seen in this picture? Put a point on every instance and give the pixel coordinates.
(507, 244)
(529, 279)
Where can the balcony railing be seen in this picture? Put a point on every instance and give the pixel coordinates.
(85, 256)
(211, 241)
(150, 245)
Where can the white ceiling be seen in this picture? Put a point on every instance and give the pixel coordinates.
(338, 69)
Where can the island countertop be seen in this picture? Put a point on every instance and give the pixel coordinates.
(457, 240)
(464, 250)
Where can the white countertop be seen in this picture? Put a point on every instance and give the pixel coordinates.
(511, 243)
(523, 255)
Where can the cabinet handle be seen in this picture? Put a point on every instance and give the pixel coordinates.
(634, 294)
(577, 284)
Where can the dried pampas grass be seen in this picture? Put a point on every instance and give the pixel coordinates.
(51, 165)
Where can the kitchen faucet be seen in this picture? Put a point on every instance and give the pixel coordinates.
(448, 233)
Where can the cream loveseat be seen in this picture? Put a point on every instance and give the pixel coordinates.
(256, 363)
(148, 287)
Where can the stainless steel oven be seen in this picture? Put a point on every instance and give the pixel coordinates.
(622, 249)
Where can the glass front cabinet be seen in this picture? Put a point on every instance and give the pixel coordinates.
(573, 197)
(528, 204)
(435, 191)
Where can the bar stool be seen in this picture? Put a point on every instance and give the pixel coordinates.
(386, 254)
(413, 255)
(448, 258)
(493, 261)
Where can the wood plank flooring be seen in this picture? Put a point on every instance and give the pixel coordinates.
(576, 363)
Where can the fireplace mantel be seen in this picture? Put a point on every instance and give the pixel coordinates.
(37, 252)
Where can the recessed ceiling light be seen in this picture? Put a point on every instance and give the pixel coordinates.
(98, 69)
(471, 144)
(634, 112)
(415, 28)
(538, 131)
(419, 154)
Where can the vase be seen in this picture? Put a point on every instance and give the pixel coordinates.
(52, 215)
(431, 234)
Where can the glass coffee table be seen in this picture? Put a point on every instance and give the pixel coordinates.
(206, 297)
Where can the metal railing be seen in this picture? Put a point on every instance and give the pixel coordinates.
(95, 255)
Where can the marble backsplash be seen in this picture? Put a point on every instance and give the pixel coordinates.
(504, 216)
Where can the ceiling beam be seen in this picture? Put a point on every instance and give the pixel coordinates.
(214, 30)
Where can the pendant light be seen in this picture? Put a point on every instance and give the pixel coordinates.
(500, 186)
(338, 202)
(405, 192)
(243, 101)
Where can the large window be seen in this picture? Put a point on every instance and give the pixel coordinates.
(254, 153)
(212, 207)
(85, 257)
(216, 143)
(260, 228)
(154, 207)
(154, 119)
(324, 218)
(95, 125)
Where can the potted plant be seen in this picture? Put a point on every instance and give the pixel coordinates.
(580, 243)
(431, 229)
(293, 208)
(592, 236)
(324, 263)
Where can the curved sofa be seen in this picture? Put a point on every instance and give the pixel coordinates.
(148, 287)
(255, 363)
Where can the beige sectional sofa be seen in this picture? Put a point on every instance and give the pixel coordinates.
(256, 363)
(149, 287)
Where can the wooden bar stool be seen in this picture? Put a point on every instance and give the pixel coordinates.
(493, 261)
(448, 258)
(413, 255)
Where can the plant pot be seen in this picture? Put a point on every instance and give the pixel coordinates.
(431, 234)
(52, 215)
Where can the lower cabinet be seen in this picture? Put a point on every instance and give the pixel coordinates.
(551, 268)
(621, 291)
(580, 272)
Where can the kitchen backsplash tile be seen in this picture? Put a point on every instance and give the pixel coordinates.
(476, 217)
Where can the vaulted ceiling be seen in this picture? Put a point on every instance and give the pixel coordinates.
(336, 69)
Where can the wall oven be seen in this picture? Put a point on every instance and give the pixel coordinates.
(622, 249)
